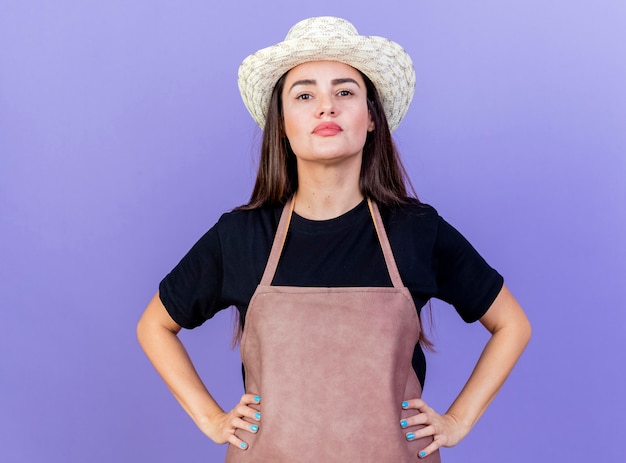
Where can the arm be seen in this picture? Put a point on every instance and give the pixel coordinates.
(158, 335)
(510, 332)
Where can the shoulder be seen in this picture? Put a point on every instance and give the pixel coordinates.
(238, 219)
(419, 225)
(413, 229)
(243, 227)
(410, 214)
(239, 226)
(419, 221)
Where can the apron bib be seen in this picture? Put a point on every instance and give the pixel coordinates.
(332, 367)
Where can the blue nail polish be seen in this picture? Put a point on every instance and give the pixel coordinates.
(243, 445)
(254, 428)
(257, 398)
(422, 454)
(257, 415)
(405, 404)
(404, 423)
(410, 436)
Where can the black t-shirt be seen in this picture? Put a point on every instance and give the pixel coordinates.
(225, 266)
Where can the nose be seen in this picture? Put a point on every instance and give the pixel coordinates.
(325, 106)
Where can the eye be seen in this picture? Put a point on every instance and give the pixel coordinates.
(344, 93)
(304, 96)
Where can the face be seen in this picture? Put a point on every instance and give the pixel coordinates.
(325, 112)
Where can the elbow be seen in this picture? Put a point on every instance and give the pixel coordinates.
(141, 330)
(155, 323)
(521, 330)
(527, 331)
(147, 327)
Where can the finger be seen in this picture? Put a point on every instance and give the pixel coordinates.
(245, 425)
(416, 404)
(422, 432)
(415, 420)
(245, 411)
(236, 442)
(433, 447)
(248, 399)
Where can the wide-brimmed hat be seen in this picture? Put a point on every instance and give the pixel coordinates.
(327, 38)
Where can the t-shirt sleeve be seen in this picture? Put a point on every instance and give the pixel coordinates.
(464, 279)
(191, 292)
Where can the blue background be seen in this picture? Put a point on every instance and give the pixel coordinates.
(123, 138)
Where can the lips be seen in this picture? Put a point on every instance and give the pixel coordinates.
(327, 129)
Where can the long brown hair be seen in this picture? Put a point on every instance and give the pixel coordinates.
(383, 176)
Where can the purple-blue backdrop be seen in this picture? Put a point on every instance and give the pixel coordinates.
(123, 138)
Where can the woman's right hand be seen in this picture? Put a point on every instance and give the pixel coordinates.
(225, 424)
(158, 335)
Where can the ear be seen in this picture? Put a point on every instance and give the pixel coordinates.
(371, 126)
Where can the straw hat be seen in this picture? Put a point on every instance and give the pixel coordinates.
(327, 38)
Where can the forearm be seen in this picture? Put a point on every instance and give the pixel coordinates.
(169, 357)
(509, 336)
(496, 362)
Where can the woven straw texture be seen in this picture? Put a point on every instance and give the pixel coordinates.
(328, 38)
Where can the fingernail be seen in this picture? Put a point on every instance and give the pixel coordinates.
(257, 398)
(422, 454)
(405, 404)
(257, 415)
(254, 428)
(410, 436)
(243, 445)
(404, 423)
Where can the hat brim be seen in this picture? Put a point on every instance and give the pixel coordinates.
(383, 61)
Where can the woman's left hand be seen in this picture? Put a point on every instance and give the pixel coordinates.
(510, 332)
(446, 430)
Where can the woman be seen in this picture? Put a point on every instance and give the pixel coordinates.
(328, 266)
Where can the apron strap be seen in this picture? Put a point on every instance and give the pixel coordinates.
(279, 241)
(392, 268)
(281, 236)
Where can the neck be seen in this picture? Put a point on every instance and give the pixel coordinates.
(326, 192)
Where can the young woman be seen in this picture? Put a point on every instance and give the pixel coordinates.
(329, 265)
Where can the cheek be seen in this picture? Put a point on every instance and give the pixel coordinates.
(367, 122)
(362, 115)
(290, 122)
(289, 128)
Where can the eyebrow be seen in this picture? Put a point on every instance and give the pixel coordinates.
(343, 80)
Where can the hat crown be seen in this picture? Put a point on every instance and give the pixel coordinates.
(321, 26)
